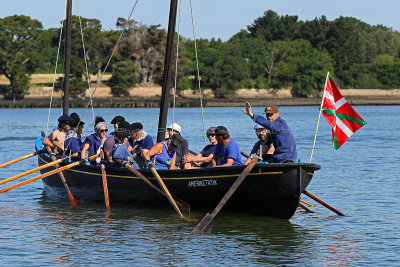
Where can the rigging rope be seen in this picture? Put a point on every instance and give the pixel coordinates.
(105, 68)
(109, 60)
(84, 56)
(55, 69)
(198, 73)
(176, 62)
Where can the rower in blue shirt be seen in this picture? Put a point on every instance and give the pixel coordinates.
(138, 140)
(227, 152)
(281, 135)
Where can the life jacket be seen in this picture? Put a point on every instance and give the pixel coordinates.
(164, 160)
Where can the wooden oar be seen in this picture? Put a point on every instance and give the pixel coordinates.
(34, 170)
(21, 158)
(206, 222)
(192, 152)
(45, 174)
(185, 207)
(308, 203)
(165, 189)
(305, 208)
(104, 176)
(71, 197)
(323, 203)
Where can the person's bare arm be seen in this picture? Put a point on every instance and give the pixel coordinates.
(247, 111)
(229, 162)
(84, 149)
(173, 163)
(156, 149)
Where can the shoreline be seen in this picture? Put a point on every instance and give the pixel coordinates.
(113, 102)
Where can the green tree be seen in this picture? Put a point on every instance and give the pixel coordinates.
(123, 77)
(18, 59)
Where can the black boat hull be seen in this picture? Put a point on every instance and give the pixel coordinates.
(270, 189)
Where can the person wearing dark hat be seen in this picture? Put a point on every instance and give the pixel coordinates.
(119, 153)
(57, 138)
(227, 152)
(204, 158)
(138, 140)
(73, 138)
(183, 149)
(116, 121)
(263, 146)
(91, 145)
(108, 145)
(163, 154)
(281, 135)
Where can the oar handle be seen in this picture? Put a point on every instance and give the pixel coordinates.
(33, 170)
(45, 174)
(20, 158)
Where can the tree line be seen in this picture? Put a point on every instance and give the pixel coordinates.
(274, 52)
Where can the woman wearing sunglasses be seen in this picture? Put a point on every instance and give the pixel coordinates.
(91, 145)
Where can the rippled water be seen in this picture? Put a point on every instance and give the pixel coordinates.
(360, 179)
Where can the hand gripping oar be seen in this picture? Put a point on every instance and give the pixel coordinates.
(21, 158)
(33, 170)
(206, 222)
(165, 189)
(71, 197)
(45, 174)
(182, 204)
(104, 176)
(323, 203)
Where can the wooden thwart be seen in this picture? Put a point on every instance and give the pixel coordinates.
(206, 222)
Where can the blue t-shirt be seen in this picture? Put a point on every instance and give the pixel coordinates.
(282, 139)
(230, 151)
(207, 151)
(145, 142)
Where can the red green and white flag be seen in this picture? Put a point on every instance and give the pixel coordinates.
(340, 115)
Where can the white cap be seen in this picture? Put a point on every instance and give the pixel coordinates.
(176, 127)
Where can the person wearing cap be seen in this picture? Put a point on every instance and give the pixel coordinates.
(116, 121)
(183, 149)
(281, 135)
(119, 153)
(108, 145)
(91, 145)
(204, 158)
(138, 140)
(73, 138)
(263, 146)
(227, 152)
(57, 138)
(163, 154)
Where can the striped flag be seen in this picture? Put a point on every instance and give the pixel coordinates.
(343, 119)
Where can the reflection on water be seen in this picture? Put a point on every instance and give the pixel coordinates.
(360, 179)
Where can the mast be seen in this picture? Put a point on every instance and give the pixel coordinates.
(67, 58)
(162, 120)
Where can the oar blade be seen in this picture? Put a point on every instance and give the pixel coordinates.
(72, 199)
(204, 225)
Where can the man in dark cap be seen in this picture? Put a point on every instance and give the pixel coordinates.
(204, 158)
(73, 138)
(227, 152)
(263, 146)
(124, 127)
(138, 140)
(57, 138)
(117, 120)
(281, 135)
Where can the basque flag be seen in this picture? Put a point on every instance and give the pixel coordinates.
(343, 119)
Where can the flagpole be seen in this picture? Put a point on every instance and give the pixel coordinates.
(319, 117)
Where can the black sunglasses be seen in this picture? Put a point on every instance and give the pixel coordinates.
(208, 135)
(105, 130)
